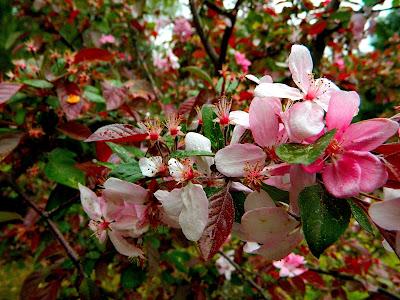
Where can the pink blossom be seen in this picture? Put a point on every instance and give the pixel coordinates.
(357, 24)
(291, 266)
(352, 168)
(224, 267)
(242, 61)
(183, 29)
(119, 214)
(107, 39)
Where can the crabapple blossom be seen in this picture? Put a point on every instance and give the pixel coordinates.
(181, 171)
(107, 39)
(242, 61)
(183, 29)
(151, 166)
(186, 208)
(119, 214)
(291, 266)
(224, 267)
(195, 141)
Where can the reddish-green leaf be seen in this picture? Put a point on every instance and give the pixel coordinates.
(8, 142)
(7, 90)
(91, 54)
(220, 221)
(117, 133)
(75, 130)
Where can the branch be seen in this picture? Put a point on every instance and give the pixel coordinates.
(217, 9)
(347, 277)
(207, 46)
(52, 226)
(247, 278)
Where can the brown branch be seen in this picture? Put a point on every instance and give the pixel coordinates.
(347, 277)
(50, 224)
(370, 196)
(217, 9)
(207, 46)
(247, 278)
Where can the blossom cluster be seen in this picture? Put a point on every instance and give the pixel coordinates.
(268, 144)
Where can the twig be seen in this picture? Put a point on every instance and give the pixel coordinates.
(370, 196)
(52, 226)
(347, 277)
(247, 278)
(61, 206)
(207, 46)
(217, 9)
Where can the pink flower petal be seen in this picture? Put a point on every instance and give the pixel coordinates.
(194, 216)
(301, 65)
(299, 179)
(231, 160)
(368, 135)
(386, 214)
(122, 245)
(324, 94)
(264, 122)
(373, 171)
(278, 90)
(343, 106)
(342, 177)
(239, 117)
(119, 189)
(90, 202)
(237, 133)
(305, 120)
(171, 202)
(267, 223)
(257, 200)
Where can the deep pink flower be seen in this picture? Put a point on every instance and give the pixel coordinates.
(183, 29)
(107, 39)
(242, 61)
(352, 168)
(291, 266)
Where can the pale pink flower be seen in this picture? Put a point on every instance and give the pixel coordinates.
(242, 61)
(197, 142)
(181, 171)
(352, 168)
(291, 266)
(275, 232)
(119, 214)
(185, 208)
(151, 166)
(304, 119)
(357, 24)
(224, 267)
(107, 39)
(183, 29)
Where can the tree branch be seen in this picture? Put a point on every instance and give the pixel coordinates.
(217, 9)
(247, 278)
(50, 224)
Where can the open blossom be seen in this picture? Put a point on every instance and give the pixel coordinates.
(107, 39)
(119, 214)
(197, 142)
(185, 208)
(181, 171)
(271, 227)
(172, 123)
(304, 119)
(242, 61)
(183, 29)
(153, 128)
(291, 266)
(151, 166)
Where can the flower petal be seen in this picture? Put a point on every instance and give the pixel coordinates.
(386, 214)
(267, 223)
(90, 202)
(342, 178)
(171, 202)
(264, 121)
(389, 194)
(301, 66)
(305, 120)
(122, 245)
(231, 160)
(239, 117)
(278, 90)
(373, 171)
(196, 141)
(237, 133)
(341, 110)
(368, 135)
(257, 200)
(324, 95)
(116, 189)
(150, 166)
(194, 216)
(299, 179)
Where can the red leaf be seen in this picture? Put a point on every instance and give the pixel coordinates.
(220, 221)
(103, 151)
(314, 279)
(7, 90)
(115, 96)
(8, 142)
(75, 130)
(64, 90)
(317, 28)
(91, 54)
(90, 168)
(391, 159)
(187, 107)
(117, 133)
(388, 149)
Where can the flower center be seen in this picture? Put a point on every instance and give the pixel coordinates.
(253, 174)
(334, 148)
(73, 99)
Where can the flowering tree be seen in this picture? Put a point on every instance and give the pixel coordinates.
(137, 167)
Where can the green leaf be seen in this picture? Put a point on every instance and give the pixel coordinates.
(211, 129)
(360, 216)
(6, 216)
(88, 290)
(276, 194)
(324, 218)
(127, 171)
(304, 154)
(92, 94)
(38, 83)
(182, 153)
(132, 277)
(61, 168)
(196, 71)
(124, 154)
